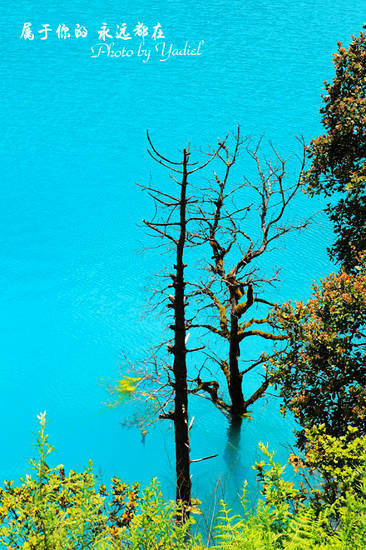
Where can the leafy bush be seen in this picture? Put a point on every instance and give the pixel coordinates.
(285, 520)
(339, 461)
(321, 373)
(54, 511)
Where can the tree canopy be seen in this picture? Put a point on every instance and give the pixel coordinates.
(322, 371)
(338, 157)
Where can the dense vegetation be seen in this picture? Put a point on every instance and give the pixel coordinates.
(52, 510)
(338, 157)
(322, 372)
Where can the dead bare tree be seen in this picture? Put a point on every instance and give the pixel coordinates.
(173, 214)
(234, 285)
(231, 289)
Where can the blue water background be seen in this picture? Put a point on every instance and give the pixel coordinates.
(73, 147)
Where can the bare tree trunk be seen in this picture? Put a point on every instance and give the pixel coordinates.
(172, 215)
(182, 450)
(238, 407)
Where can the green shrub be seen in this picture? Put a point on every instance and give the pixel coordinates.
(54, 511)
(284, 519)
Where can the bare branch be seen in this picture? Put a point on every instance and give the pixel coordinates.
(204, 458)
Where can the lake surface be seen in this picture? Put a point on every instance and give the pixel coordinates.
(73, 146)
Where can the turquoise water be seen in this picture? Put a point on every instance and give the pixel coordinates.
(72, 148)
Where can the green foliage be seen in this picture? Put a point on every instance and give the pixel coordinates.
(55, 511)
(341, 462)
(277, 492)
(124, 390)
(322, 371)
(283, 518)
(52, 510)
(154, 526)
(338, 157)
